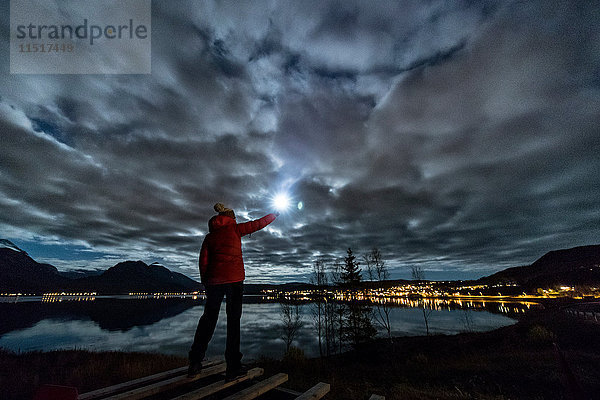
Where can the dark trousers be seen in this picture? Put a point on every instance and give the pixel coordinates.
(206, 326)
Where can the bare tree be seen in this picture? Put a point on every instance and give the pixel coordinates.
(378, 271)
(338, 310)
(467, 320)
(291, 318)
(329, 315)
(319, 279)
(419, 275)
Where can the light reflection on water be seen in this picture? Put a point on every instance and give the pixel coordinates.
(168, 326)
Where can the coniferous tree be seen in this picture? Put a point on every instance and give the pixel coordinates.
(351, 274)
(358, 325)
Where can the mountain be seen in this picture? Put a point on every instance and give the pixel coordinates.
(137, 276)
(19, 273)
(568, 267)
(7, 244)
(80, 273)
(258, 288)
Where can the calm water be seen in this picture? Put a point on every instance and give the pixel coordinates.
(168, 325)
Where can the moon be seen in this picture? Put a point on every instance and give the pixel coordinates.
(281, 202)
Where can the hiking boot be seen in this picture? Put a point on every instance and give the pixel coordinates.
(194, 369)
(235, 373)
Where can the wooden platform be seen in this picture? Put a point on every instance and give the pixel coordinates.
(175, 385)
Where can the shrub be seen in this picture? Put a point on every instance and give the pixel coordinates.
(294, 355)
(540, 336)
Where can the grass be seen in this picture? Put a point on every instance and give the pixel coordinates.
(21, 374)
(514, 362)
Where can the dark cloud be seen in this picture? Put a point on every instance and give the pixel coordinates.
(461, 136)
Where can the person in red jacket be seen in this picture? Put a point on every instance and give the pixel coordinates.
(222, 273)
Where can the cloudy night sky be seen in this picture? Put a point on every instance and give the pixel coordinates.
(462, 136)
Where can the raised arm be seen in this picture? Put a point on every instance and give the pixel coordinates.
(249, 227)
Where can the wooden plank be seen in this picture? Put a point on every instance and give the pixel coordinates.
(260, 388)
(127, 385)
(287, 392)
(218, 386)
(168, 384)
(121, 387)
(376, 397)
(315, 392)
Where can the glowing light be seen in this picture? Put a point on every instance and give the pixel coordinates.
(300, 205)
(281, 202)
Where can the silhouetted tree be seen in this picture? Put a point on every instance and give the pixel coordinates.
(319, 279)
(358, 326)
(291, 318)
(378, 272)
(351, 274)
(337, 311)
(467, 320)
(419, 275)
(325, 309)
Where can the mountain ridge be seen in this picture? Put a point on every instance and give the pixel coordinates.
(571, 267)
(19, 273)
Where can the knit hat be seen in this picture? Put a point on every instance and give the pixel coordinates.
(222, 210)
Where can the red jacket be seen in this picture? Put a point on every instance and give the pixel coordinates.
(221, 255)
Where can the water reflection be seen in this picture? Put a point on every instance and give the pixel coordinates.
(168, 325)
(503, 306)
(110, 314)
